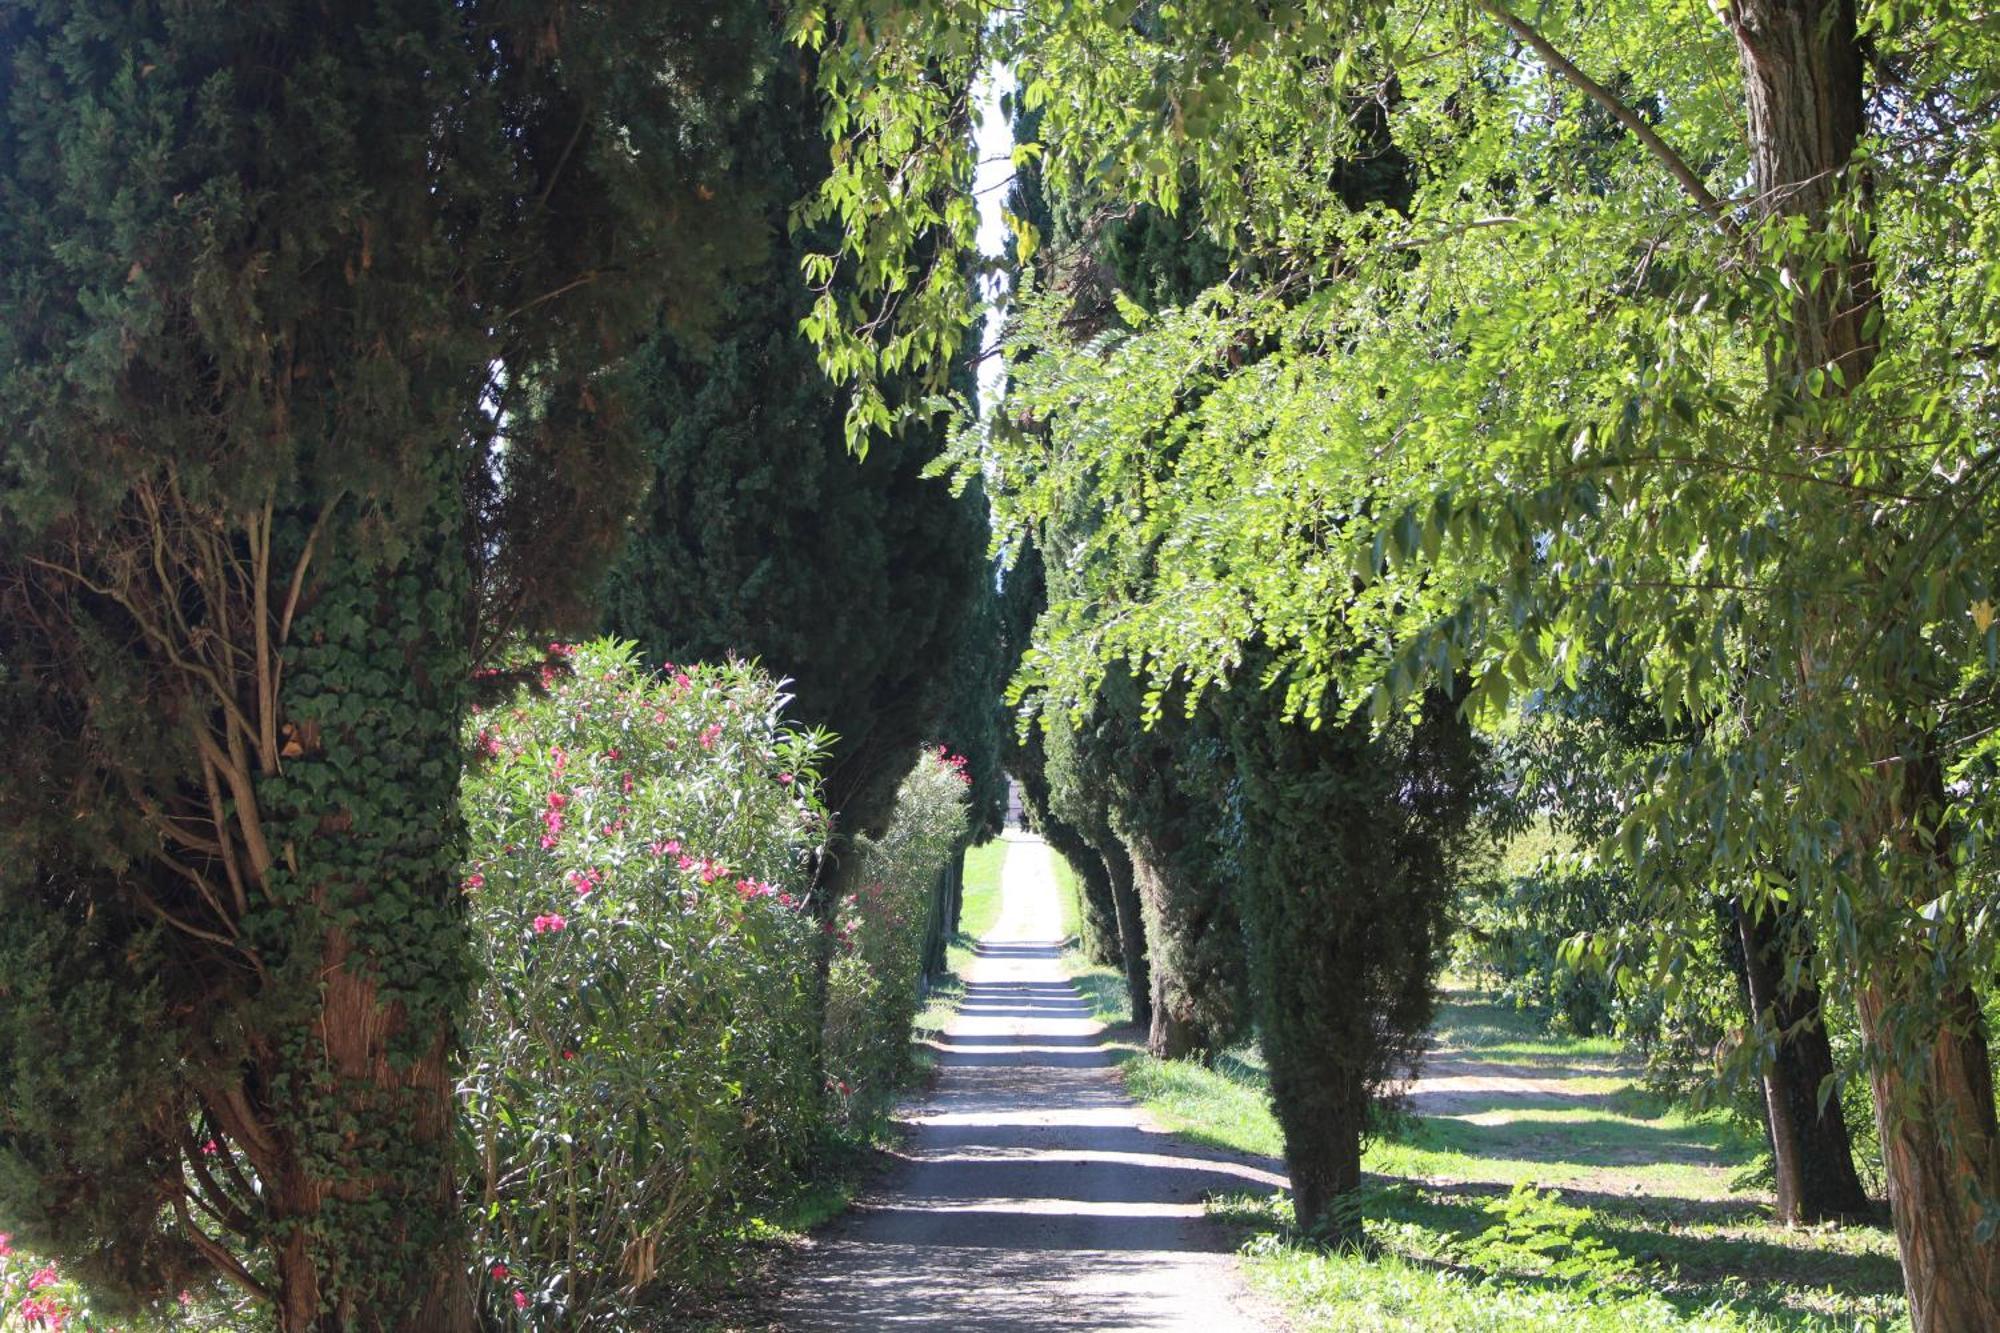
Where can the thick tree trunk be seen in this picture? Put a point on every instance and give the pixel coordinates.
(353, 1034)
(1816, 1179)
(1939, 1145)
(1176, 1033)
(346, 1110)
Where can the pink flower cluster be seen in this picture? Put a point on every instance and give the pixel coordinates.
(550, 923)
(586, 881)
(750, 889)
(552, 820)
(41, 1309)
(957, 764)
(710, 735)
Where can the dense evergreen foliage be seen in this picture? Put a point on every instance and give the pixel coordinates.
(861, 581)
(304, 319)
(1351, 847)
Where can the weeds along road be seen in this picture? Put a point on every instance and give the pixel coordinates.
(1030, 1192)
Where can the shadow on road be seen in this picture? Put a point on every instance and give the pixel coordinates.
(1029, 1193)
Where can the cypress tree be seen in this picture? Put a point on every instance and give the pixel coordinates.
(861, 580)
(1023, 596)
(1350, 844)
(304, 314)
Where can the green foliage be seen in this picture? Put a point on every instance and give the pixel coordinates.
(876, 983)
(1517, 924)
(1685, 396)
(1350, 848)
(640, 854)
(863, 581)
(305, 322)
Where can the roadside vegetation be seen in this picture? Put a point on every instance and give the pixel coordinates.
(1536, 1184)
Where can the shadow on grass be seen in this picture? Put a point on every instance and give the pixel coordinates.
(1597, 1256)
(1529, 1134)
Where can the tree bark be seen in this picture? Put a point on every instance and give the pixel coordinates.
(1131, 931)
(1803, 68)
(1939, 1144)
(353, 1031)
(1814, 1157)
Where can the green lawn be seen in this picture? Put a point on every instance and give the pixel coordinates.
(1517, 1206)
(981, 910)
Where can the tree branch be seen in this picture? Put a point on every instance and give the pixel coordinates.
(1623, 114)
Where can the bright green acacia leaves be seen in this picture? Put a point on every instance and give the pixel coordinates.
(1541, 413)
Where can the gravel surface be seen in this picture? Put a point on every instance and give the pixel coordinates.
(1030, 1192)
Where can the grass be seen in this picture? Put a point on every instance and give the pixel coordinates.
(981, 909)
(1599, 1209)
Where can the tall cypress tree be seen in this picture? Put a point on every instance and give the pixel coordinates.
(1024, 595)
(304, 314)
(762, 536)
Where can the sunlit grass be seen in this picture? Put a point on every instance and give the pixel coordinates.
(1635, 1227)
(981, 909)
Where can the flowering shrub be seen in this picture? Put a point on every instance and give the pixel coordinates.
(874, 986)
(34, 1296)
(640, 850)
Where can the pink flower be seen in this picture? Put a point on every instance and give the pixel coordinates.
(488, 743)
(569, 1055)
(562, 649)
(211, 1148)
(711, 871)
(498, 1270)
(583, 881)
(550, 923)
(681, 680)
(784, 900)
(784, 779)
(6, 1244)
(685, 862)
(710, 735)
(561, 756)
(556, 799)
(45, 1276)
(520, 1300)
(475, 881)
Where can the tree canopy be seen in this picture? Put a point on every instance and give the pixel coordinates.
(1676, 360)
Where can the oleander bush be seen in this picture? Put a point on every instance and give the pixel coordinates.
(638, 1069)
(875, 984)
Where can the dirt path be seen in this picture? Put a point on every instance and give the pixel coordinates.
(1031, 1193)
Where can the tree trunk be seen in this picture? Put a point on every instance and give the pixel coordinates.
(1323, 1159)
(1098, 924)
(1803, 68)
(354, 1033)
(1939, 1146)
(1131, 932)
(346, 1109)
(1816, 1178)
(1175, 1033)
